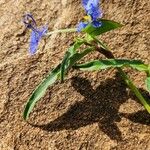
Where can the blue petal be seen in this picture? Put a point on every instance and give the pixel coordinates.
(92, 8)
(81, 26)
(95, 13)
(97, 24)
(87, 4)
(35, 39)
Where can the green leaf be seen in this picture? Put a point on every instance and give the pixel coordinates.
(108, 63)
(75, 46)
(52, 77)
(103, 64)
(40, 91)
(63, 64)
(107, 25)
(148, 83)
(68, 61)
(77, 56)
(69, 53)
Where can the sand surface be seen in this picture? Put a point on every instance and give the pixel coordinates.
(90, 110)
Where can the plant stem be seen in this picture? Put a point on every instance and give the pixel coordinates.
(134, 89)
(62, 31)
(107, 53)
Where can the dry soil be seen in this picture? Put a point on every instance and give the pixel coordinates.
(91, 110)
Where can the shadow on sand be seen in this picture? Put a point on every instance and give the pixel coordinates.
(98, 106)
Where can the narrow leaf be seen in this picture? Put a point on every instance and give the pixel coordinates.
(40, 91)
(107, 25)
(63, 64)
(75, 46)
(68, 61)
(148, 83)
(49, 80)
(69, 53)
(108, 63)
(77, 56)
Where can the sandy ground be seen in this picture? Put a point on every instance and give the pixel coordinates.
(90, 111)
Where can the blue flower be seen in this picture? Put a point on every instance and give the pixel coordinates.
(35, 39)
(36, 34)
(93, 13)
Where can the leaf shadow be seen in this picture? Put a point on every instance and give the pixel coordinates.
(100, 105)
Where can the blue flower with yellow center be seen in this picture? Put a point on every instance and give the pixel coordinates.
(36, 34)
(93, 12)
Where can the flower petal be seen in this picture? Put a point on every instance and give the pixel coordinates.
(97, 24)
(92, 8)
(35, 39)
(81, 26)
(87, 4)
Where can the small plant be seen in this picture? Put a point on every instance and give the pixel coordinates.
(92, 26)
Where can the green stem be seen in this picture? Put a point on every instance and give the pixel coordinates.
(124, 75)
(101, 43)
(148, 72)
(134, 89)
(62, 31)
